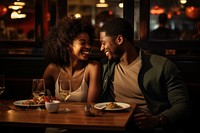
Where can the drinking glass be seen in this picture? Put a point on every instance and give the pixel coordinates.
(38, 88)
(65, 89)
(2, 84)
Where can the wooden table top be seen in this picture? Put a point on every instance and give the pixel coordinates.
(75, 119)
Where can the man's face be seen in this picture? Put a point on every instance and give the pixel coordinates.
(109, 46)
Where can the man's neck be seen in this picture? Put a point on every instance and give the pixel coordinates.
(129, 55)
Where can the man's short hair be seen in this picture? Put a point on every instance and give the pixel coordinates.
(118, 26)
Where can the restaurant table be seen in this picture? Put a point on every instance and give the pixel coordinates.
(11, 115)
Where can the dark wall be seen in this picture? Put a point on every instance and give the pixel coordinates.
(19, 72)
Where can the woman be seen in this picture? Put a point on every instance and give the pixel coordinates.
(67, 47)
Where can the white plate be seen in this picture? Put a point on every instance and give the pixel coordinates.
(20, 103)
(103, 105)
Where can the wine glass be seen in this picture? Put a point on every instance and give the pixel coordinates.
(38, 89)
(65, 90)
(2, 84)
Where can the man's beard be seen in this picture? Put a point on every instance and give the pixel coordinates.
(117, 54)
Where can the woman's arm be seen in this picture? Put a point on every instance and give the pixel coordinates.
(94, 76)
(50, 74)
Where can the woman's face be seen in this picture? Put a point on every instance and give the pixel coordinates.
(81, 47)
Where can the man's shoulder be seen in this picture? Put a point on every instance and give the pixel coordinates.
(153, 57)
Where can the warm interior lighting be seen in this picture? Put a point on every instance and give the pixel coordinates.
(178, 13)
(183, 1)
(157, 10)
(14, 15)
(169, 15)
(3, 10)
(17, 15)
(14, 7)
(77, 15)
(19, 3)
(193, 12)
(110, 12)
(102, 3)
(121, 5)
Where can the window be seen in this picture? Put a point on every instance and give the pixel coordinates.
(182, 19)
(180, 22)
(24, 35)
(17, 20)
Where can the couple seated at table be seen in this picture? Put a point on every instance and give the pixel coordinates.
(127, 74)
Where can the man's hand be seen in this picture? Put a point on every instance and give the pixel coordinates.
(146, 120)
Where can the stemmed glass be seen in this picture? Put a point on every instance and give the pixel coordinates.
(38, 89)
(65, 89)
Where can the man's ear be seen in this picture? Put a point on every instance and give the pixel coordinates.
(119, 40)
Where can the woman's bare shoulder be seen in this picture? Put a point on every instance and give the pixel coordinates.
(93, 64)
(53, 67)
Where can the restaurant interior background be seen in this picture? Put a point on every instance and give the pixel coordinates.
(25, 23)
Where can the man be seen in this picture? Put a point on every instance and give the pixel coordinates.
(151, 81)
(162, 32)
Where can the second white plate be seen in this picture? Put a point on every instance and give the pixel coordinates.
(104, 104)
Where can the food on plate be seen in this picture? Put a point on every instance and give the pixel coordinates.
(34, 101)
(40, 100)
(113, 105)
(46, 99)
(29, 102)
